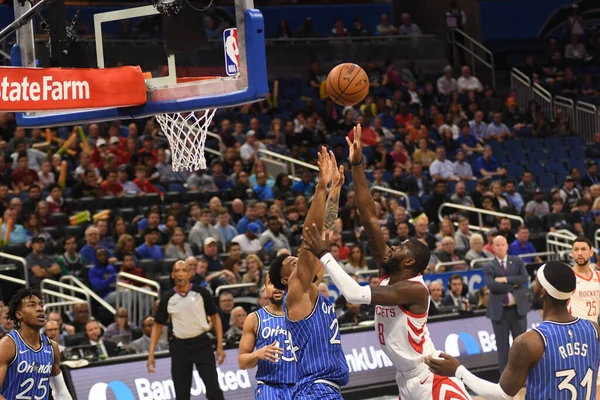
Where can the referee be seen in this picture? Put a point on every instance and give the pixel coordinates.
(186, 307)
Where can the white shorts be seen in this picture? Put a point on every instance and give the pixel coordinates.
(426, 385)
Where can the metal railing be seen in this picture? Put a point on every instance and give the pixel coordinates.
(234, 286)
(137, 300)
(74, 281)
(65, 298)
(450, 263)
(293, 163)
(480, 212)
(544, 99)
(393, 192)
(587, 120)
(522, 85)
(473, 49)
(567, 106)
(23, 263)
(561, 242)
(584, 117)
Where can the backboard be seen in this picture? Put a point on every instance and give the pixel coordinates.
(243, 79)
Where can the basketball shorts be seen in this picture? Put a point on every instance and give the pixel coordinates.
(317, 390)
(425, 385)
(264, 391)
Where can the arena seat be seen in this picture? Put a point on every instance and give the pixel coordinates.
(538, 156)
(546, 180)
(150, 199)
(535, 168)
(554, 142)
(512, 145)
(556, 167)
(576, 153)
(517, 156)
(108, 203)
(152, 268)
(579, 164)
(60, 219)
(514, 171)
(573, 141)
(558, 154)
(76, 230)
(531, 144)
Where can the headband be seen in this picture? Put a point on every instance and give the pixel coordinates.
(552, 291)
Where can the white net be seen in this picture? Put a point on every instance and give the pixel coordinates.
(186, 133)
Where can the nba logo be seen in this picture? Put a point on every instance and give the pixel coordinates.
(232, 52)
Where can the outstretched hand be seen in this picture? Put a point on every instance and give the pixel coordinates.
(314, 241)
(327, 166)
(356, 146)
(338, 178)
(442, 364)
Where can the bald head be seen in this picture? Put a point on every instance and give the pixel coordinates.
(500, 246)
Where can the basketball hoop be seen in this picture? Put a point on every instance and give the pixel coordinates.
(186, 133)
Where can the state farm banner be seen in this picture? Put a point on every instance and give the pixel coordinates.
(38, 89)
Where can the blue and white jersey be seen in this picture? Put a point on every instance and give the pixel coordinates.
(29, 372)
(271, 328)
(569, 367)
(316, 345)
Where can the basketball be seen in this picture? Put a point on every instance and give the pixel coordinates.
(347, 84)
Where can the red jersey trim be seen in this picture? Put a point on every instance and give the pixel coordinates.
(584, 278)
(383, 278)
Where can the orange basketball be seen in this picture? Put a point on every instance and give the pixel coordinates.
(347, 84)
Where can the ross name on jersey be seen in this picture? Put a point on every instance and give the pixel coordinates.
(25, 367)
(385, 312)
(573, 349)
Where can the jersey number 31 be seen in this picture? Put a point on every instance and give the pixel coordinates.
(566, 384)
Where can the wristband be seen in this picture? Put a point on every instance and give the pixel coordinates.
(322, 254)
(460, 371)
(358, 163)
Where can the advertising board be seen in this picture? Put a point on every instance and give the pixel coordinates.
(470, 339)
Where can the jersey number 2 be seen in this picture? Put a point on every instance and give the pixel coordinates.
(27, 385)
(335, 329)
(568, 375)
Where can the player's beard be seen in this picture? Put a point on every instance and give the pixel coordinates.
(276, 302)
(586, 262)
(537, 303)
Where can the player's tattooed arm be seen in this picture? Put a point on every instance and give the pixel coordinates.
(333, 200)
(366, 205)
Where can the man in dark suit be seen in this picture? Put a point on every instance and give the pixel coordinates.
(93, 336)
(455, 298)
(507, 278)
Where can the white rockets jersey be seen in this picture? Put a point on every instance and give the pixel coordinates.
(403, 336)
(584, 303)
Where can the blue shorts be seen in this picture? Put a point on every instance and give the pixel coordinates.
(264, 391)
(317, 391)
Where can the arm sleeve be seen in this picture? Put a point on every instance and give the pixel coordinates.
(491, 391)
(209, 304)
(59, 388)
(352, 291)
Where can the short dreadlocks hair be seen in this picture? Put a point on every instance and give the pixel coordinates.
(15, 302)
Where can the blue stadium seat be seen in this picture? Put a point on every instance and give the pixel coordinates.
(512, 145)
(573, 141)
(500, 158)
(335, 140)
(496, 147)
(514, 171)
(546, 180)
(577, 153)
(264, 119)
(579, 164)
(415, 204)
(556, 167)
(559, 179)
(535, 169)
(517, 156)
(532, 144)
(547, 188)
(558, 154)
(553, 142)
(538, 156)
